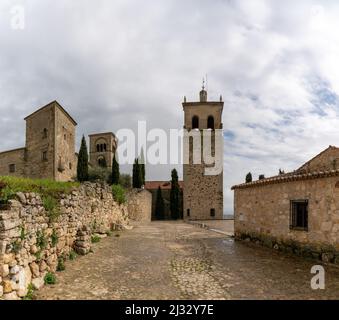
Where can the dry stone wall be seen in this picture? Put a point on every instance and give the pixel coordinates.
(32, 242)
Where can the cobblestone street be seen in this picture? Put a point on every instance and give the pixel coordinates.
(174, 260)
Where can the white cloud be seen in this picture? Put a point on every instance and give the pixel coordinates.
(114, 63)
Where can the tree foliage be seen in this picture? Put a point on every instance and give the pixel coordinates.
(115, 171)
(160, 206)
(175, 196)
(82, 168)
(137, 175)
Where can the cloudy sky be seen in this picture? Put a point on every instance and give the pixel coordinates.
(112, 63)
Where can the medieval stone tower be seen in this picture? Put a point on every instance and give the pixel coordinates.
(203, 194)
(50, 147)
(102, 149)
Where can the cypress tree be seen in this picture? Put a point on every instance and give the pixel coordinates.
(115, 171)
(142, 167)
(249, 177)
(82, 168)
(137, 178)
(160, 206)
(175, 196)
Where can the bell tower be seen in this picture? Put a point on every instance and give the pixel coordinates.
(102, 149)
(203, 191)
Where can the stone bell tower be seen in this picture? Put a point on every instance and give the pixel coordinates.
(102, 147)
(203, 193)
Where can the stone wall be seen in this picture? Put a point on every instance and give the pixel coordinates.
(32, 241)
(65, 159)
(262, 214)
(139, 204)
(40, 138)
(16, 157)
(326, 160)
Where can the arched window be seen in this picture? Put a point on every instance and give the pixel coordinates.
(102, 162)
(210, 122)
(105, 147)
(195, 122)
(98, 148)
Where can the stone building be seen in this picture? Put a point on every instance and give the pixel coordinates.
(102, 147)
(165, 186)
(203, 194)
(297, 211)
(50, 146)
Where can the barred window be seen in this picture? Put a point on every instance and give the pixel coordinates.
(299, 215)
(12, 168)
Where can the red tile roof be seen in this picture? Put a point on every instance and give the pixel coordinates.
(164, 185)
(294, 176)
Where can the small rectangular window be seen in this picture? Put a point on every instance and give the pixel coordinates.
(213, 213)
(12, 168)
(299, 215)
(44, 134)
(188, 212)
(44, 156)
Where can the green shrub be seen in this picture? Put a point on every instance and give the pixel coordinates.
(119, 193)
(41, 241)
(6, 194)
(38, 255)
(125, 180)
(99, 174)
(16, 247)
(95, 239)
(22, 233)
(72, 255)
(54, 238)
(109, 233)
(51, 206)
(49, 278)
(30, 293)
(61, 264)
(40, 186)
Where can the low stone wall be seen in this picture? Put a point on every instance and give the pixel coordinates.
(139, 204)
(32, 243)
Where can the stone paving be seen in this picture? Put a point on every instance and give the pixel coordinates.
(174, 260)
